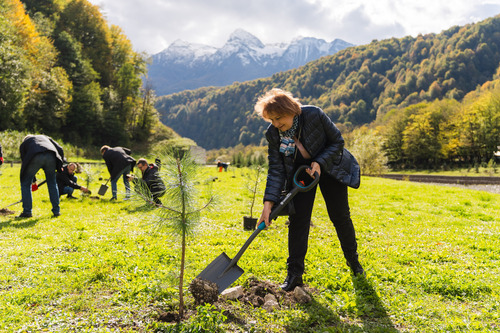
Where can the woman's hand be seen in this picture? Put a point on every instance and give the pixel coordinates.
(266, 211)
(315, 167)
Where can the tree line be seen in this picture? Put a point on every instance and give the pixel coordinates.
(67, 73)
(445, 132)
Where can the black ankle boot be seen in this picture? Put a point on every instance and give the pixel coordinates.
(291, 282)
(356, 267)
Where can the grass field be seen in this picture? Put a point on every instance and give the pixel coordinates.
(431, 253)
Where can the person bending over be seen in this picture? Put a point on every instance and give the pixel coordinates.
(304, 135)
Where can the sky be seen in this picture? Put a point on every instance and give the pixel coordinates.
(152, 25)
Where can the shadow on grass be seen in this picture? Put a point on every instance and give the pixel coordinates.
(371, 312)
(19, 223)
(316, 317)
(320, 319)
(370, 307)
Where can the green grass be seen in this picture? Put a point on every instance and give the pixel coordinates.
(432, 256)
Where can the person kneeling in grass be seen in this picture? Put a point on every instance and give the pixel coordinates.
(67, 181)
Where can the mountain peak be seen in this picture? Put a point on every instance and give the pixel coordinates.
(242, 36)
(243, 57)
(180, 48)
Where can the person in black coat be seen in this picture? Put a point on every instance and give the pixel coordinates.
(1, 155)
(151, 179)
(119, 163)
(67, 181)
(40, 152)
(304, 135)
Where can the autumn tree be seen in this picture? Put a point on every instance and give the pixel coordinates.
(15, 65)
(86, 25)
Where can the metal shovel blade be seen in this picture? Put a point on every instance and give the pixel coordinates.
(103, 189)
(216, 272)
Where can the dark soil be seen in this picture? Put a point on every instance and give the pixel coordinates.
(254, 293)
(168, 317)
(5, 211)
(203, 291)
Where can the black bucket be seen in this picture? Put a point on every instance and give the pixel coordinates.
(249, 223)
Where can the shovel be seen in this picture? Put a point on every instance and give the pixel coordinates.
(223, 271)
(103, 188)
(15, 203)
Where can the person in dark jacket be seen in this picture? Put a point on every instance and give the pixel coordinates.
(67, 181)
(304, 135)
(151, 179)
(40, 152)
(1, 155)
(119, 163)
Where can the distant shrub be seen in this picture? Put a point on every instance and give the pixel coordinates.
(11, 140)
(366, 145)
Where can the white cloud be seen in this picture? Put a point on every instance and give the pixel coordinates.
(154, 24)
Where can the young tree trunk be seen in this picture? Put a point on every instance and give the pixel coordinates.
(181, 278)
(183, 217)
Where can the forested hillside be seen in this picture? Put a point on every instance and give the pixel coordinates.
(66, 73)
(355, 86)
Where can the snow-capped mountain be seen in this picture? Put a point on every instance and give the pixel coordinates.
(243, 57)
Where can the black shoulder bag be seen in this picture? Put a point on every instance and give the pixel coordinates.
(347, 171)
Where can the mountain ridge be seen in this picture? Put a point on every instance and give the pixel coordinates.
(355, 86)
(186, 66)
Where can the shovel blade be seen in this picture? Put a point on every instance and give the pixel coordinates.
(214, 272)
(103, 189)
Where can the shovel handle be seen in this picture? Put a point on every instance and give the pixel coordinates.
(298, 187)
(12, 204)
(301, 186)
(234, 261)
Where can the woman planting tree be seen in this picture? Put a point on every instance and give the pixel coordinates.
(305, 135)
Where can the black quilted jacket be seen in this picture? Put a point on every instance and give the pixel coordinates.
(319, 136)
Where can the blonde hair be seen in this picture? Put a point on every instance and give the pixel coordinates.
(277, 101)
(104, 149)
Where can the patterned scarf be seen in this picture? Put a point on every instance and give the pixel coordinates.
(287, 146)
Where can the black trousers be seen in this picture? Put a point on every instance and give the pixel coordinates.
(337, 203)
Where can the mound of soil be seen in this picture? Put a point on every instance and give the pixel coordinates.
(204, 291)
(5, 211)
(256, 292)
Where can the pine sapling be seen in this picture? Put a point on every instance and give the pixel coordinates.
(179, 212)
